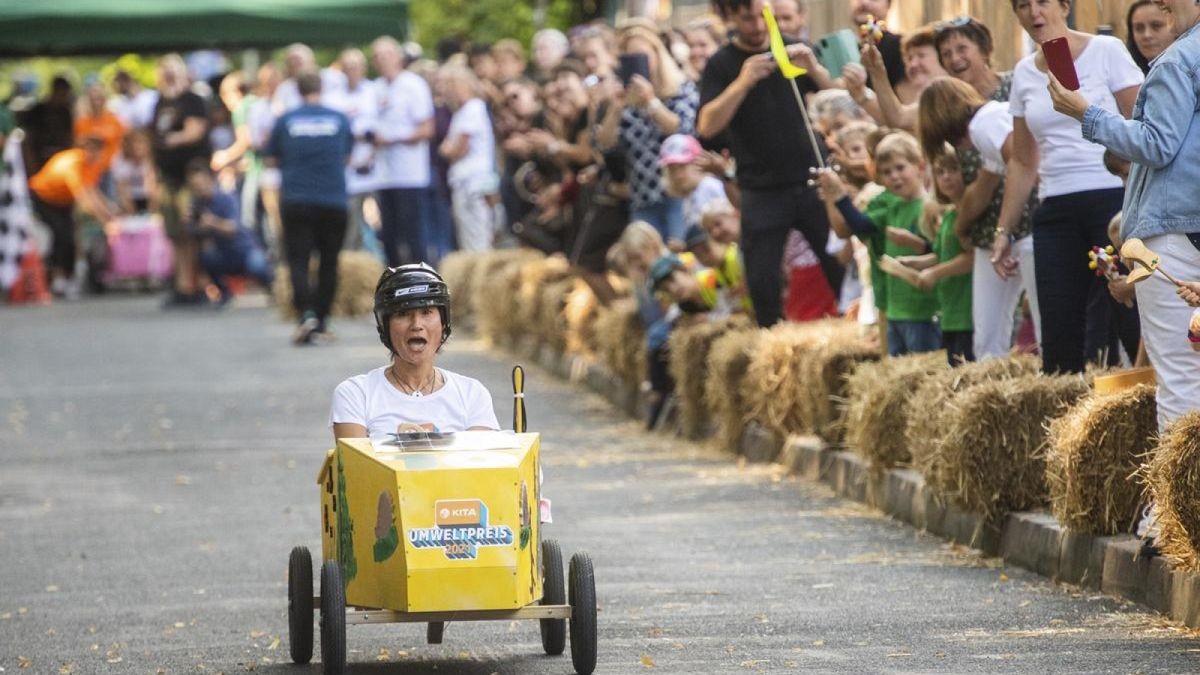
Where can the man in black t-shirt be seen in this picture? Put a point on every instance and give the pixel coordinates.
(860, 12)
(180, 130)
(742, 91)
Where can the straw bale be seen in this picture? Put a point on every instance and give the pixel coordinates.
(781, 398)
(621, 341)
(551, 324)
(877, 398)
(457, 269)
(926, 427)
(1094, 451)
(494, 291)
(358, 273)
(993, 457)
(580, 316)
(824, 370)
(688, 365)
(534, 276)
(724, 389)
(1173, 479)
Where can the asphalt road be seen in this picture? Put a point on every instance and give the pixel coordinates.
(158, 467)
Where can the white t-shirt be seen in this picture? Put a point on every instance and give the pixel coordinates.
(136, 112)
(361, 107)
(1068, 163)
(472, 121)
(404, 103)
(287, 95)
(989, 131)
(709, 189)
(372, 401)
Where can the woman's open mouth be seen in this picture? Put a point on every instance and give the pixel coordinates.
(416, 344)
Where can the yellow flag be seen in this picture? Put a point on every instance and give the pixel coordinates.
(778, 49)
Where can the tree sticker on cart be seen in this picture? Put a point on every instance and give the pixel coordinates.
(345, 541)
(460, 528)
(386, 538)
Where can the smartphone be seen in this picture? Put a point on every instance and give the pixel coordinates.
(633, 64)
(1060, 62)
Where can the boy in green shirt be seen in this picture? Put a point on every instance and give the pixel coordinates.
(890, 227)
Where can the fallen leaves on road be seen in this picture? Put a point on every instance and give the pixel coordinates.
(24, 662)
(384, 654)
(66, 669)
(181, 479)
(647, 661)
(754, 663)
(274, 645)
(52, 588)
(256, 634)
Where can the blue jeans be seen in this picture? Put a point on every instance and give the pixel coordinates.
(913, 337)
(403, 214)
(221, 263)
(665, 216)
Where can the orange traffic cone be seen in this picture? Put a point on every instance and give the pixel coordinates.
(30, 287)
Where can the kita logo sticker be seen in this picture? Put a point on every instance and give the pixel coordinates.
(461, 527)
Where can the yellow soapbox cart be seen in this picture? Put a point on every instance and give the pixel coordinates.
(434, 528)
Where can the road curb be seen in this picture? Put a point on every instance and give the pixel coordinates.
(1035, 540)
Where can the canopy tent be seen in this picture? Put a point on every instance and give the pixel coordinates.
(41, 27)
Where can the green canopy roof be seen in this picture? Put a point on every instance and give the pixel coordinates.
(36, 27)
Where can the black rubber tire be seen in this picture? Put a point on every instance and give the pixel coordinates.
(582, 591)
(300, 605)
(554, 631)
(333, 619)
(434, 631)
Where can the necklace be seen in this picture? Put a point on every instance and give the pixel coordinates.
(427, 387)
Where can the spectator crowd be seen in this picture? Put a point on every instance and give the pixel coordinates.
(939, 202)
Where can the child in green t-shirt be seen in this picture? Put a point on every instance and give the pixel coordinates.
(890, 226)
(948, 269)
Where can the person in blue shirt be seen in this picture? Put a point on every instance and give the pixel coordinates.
(226, 247)
(311, 146)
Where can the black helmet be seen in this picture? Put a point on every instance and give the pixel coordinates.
(407, 287)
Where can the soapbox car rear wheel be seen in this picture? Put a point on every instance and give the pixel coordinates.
(582, 591)
(333, 619)
(434, 632)
(554, 631)
(300, 605)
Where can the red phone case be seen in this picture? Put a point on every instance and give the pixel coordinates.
(1059, 61)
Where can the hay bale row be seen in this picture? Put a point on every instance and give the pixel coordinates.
(688, 365)
(551, 322)
(877, 406)
(779, 393)
(493, 291)
(725, 387)
(993, 458)
(927, 419)
(534, 277)
(621, 341)
(358, 273)
(1094, 451)
(1173, 479)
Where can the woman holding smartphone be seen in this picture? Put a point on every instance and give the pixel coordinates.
(1079, 196)
(1163, 143)
(644, 113)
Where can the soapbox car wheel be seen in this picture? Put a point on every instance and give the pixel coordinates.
(582, 593)
(554, 631)
(434, 632)
(300, 605)
(333, 619)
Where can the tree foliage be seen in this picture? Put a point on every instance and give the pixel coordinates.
(491, 20)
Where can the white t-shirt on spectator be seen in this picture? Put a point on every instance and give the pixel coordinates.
(375, 403)
(404, 104)
(136, 112)
(361, 107)
(287, 95)
(989, 131)
(472, 121)
(1067, 162)
(709, 189)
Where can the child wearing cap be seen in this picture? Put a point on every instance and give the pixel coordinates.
(724, 260)
(685, 178)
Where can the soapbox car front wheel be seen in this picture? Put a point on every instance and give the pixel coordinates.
(582, 593)
(333, 619)
(554, 631)
(300, 605)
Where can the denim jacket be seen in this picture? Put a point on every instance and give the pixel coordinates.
(1163, 142)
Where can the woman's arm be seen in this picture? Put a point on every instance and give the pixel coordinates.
(975, 200)
(1154, 140)
(348, 430)
(455, 147)
(1018, 185)
(895, 113)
